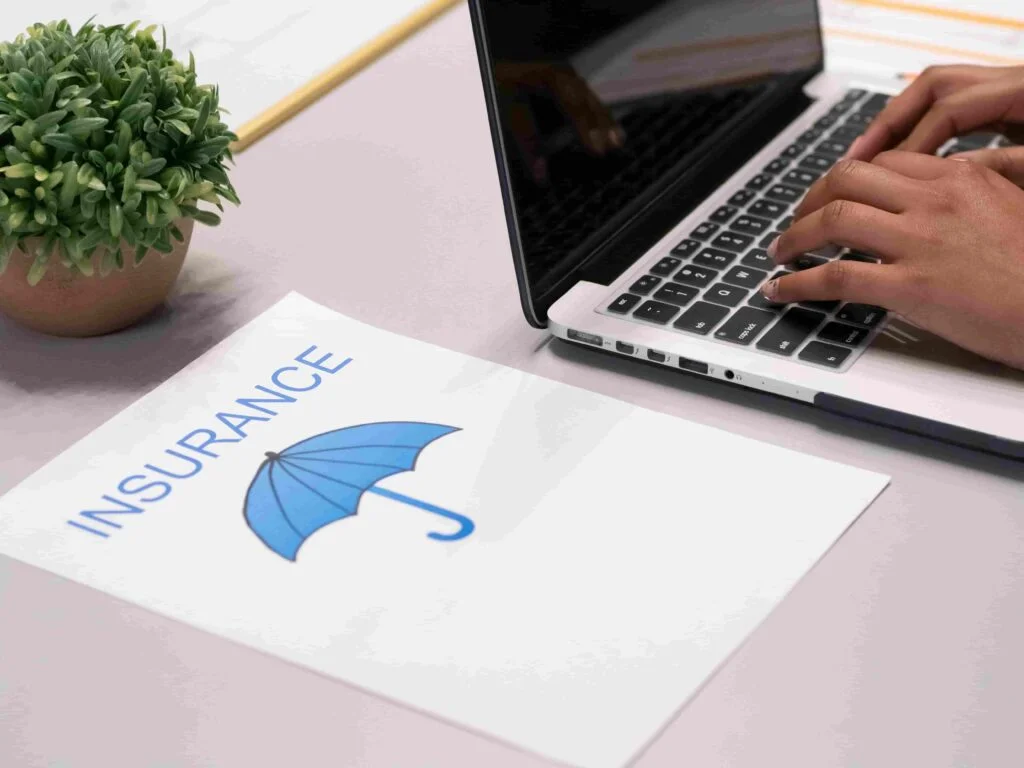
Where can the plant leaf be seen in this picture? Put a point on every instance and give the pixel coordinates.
(83, 126)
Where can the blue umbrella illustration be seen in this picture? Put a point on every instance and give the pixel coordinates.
(321, 480)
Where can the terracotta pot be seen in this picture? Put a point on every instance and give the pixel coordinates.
(67, 303)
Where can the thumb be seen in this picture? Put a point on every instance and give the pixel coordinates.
(1008, 162)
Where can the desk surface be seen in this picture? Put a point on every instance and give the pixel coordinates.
(902, 647)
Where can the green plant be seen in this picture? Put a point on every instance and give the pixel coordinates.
(105, 136)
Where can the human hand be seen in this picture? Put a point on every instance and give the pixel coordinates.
(949, 232)
(591, 121)
(950, 101)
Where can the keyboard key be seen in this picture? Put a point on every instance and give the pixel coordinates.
(805, 262)
(666, 266)
(846, 133)
(732, 241)
(827, 251)
(832, 147)
(674, 293)
(742, 197)
(824, 354)
(840, 333)
(656, 312)
(784, 224)
(794, 150)
(744, 277)
(768, 209)
(859, 119)
(759, 259)
(698, 276)
(854, 94)
(810, 136)
(825, 122)
(644, 285)
(858, 256)
(800, 177)
(744, 326)
(760, 181)
(714, 258)
(840, 109)
(768, 239)
(751, 225)
(821, 306)
(686, 248)
(778, 165)
(704, 231)
(791, 330)
(723, 215)
(817, 162)
(863, 314)
(623, 304)
(784, 194)
(700, 318)
(726, 295)
(875, 104)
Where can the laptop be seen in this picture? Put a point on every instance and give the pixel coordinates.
(648, 153)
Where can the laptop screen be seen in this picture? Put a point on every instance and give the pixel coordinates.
(603, 103)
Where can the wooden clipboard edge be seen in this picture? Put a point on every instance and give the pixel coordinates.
(255, 129)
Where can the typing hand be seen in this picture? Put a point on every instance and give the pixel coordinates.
(950, 101)
(592, 123)
(949, 232)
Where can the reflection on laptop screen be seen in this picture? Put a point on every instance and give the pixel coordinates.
(602, 102)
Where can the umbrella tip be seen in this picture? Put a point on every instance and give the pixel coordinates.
(271, 455)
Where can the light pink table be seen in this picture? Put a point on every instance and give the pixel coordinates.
(904, 647)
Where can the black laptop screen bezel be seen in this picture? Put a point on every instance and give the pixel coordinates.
(622, 248)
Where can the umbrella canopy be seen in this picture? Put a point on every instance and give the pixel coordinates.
(321, 480)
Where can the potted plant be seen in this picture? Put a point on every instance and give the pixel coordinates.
(109, 144)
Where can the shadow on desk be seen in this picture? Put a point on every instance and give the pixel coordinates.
(736, 395)
(197, 316)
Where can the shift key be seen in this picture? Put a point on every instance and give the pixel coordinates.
(790, 332)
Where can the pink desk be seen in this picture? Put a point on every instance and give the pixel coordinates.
(904, 647)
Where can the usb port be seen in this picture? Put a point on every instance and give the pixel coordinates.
(656, 356)
(693, 365)
(586, 338)
(624, 348)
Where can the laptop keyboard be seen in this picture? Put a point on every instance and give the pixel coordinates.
(708, 285)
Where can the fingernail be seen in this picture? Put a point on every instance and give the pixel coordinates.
(770, 289)
(773, 248)
(615, 138)
(853, 147)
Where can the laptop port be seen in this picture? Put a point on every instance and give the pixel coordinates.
(624, 348)
(693, 366)
(586, 338)
(656, 356)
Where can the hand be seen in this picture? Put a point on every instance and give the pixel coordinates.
(950, 101)
(590, 119)
(950, 234)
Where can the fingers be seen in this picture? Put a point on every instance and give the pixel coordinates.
(1008, 163)
(966, 110)
(860, 182)
(842, 222)
(903, 112)
(914, 165)
(524, 131)
(854, 281)
(590, 118)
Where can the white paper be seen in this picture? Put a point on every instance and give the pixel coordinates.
(889, 39)
(619, 555)
(258, 52)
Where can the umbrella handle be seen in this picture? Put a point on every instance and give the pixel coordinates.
(467, 525)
